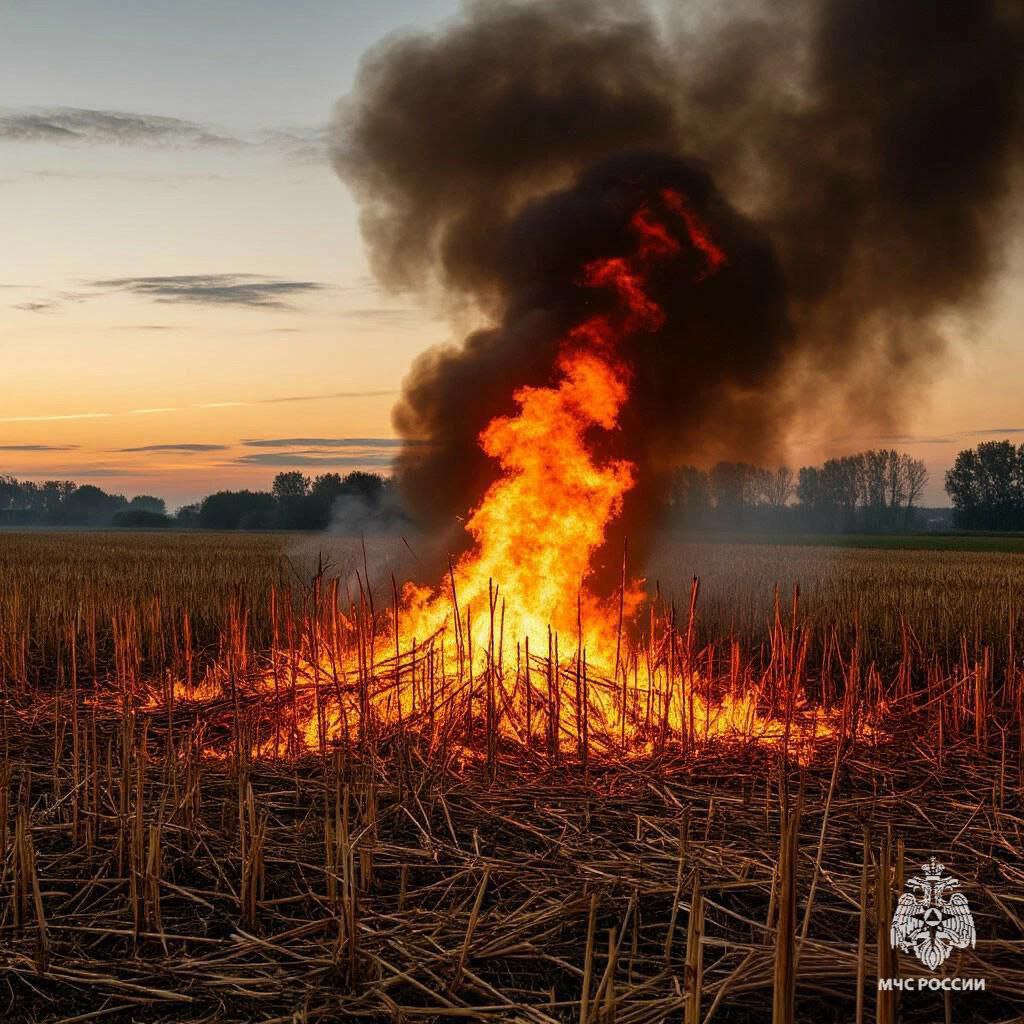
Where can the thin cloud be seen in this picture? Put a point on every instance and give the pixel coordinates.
(326, 442)
(322, 397)
(54, 418)
(912, 439)
(109, 127)
(383, 316)
(314, 459)
(246, 290)
(306, 144)
(36, 307)
(82, 472)
(200, 405)
(178, 448)
(39, 447)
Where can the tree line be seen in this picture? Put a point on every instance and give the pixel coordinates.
(878, 490)
(65, 503)
(871, 491)
(986, 487)
(357, 502)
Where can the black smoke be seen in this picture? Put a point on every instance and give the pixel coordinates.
(867, 149)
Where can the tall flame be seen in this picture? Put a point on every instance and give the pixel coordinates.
(538, 526)
(524, 586)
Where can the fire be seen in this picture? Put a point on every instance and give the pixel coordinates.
(538, 526)
(514, 642)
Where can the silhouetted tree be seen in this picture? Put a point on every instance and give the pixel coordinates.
(86, 505)
(689, 497)
(775, 487)
(734, 488)
(986, 486)
(140, 519)
(327, 487)
(188, 516)
(238, 510)
(149, 503)
(290, 485)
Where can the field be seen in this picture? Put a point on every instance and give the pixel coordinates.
(184, 841)
(976, 540)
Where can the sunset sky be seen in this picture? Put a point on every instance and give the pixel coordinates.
(184, 300)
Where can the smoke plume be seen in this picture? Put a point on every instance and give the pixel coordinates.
(853, 157)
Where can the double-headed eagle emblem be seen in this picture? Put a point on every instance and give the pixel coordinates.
(931, 920)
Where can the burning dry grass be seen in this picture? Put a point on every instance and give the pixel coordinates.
(48, 579)
(440, 864)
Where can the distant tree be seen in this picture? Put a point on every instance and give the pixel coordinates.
(842, 481)
(689, 497)
(808, 486)
(327, 487)
(290, 485)
(915, 475)
(295, 510)
(986, 486)
(238, 510)
(733, 487)
(775, 487)
(367, 486)
(187, 516)
(90, 506)
(368, 503)
(875, 485)
(149, 503)
(872, 490)
(140, 519)
(359, 502)
(52, 499)
(12, 494)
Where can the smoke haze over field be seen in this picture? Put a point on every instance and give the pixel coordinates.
(853, 157)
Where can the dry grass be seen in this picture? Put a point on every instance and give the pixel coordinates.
(49, 578)
(387, 881)
(940, 595)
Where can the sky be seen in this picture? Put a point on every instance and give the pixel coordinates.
(185, 304)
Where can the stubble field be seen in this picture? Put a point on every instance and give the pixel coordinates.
(146, 878)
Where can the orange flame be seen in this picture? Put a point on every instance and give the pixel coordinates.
(537, 528)
(525, 581)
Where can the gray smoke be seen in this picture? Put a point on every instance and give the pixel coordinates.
(854, 158)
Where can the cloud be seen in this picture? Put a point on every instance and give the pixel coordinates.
(58, 416)
(179, 448)
(369, 452)
(911, 439)
(315, 459)
(36, 307)
(324, 442)
(305, 144)
(321, 397)
(247, 290)
(106, 127)
(201, 405)
(39, 447)
(82, 472)
(384, 316)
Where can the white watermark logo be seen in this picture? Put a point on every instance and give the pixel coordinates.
(931, 919)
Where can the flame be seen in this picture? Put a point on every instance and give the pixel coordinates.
(537, 527)
(515, 635)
